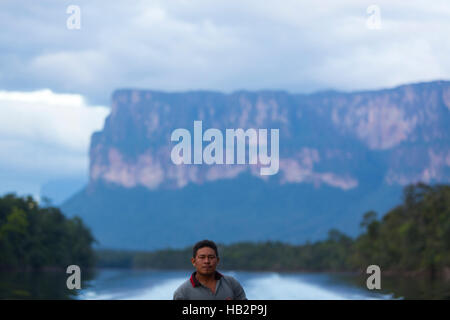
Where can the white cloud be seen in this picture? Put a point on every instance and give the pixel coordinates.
(70, 68)
(46, 132)
(222, 45)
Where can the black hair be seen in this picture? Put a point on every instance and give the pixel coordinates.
(202, 244)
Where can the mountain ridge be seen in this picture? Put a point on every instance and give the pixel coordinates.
(363, 144)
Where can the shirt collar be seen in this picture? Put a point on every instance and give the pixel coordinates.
(196, 283)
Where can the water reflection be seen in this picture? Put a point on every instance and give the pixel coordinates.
(418, 287)
(131, 284)
(39, 285)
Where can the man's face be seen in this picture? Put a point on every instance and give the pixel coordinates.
(205, 262)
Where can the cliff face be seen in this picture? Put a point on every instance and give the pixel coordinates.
(332, 145)
(323, 137)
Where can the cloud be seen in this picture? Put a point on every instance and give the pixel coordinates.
(221, 45)
(299, 46)
(47, 133)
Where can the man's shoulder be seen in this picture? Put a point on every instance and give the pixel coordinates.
(181, 291)
(185, 285)
(236, 287)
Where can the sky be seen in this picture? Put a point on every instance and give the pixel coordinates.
(56, 81)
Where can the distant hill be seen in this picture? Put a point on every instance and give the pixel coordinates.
(341, 154)
(59, 190)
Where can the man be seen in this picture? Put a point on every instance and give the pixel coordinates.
(206, 283)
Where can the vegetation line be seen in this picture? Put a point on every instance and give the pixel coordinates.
(410, 239)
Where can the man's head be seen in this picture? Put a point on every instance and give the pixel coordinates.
(205, 257)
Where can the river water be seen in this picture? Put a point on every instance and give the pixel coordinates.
(159, 285)
(133, 284)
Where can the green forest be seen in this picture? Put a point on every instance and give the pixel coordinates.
(412, 238)
(36, 238)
